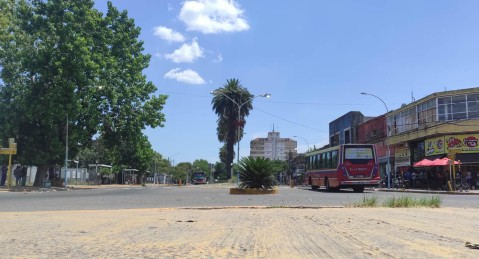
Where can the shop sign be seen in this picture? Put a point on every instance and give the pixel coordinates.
(460, 143)
(434, 146)
(463, 143)
(401, 155)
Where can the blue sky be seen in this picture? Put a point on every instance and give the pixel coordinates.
(314, 57)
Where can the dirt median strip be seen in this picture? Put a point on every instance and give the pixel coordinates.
(241, 232)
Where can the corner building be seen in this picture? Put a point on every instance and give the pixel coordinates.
(436, 126)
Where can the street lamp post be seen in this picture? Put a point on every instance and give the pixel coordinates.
(66, 152)
(388, 165)
(266, 95)
(171, 163)
(76, 173)
(307, 143)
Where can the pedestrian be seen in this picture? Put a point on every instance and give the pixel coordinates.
(18, 175)
(4, 175)
(24, 175)
(469, 179)
(51, 173)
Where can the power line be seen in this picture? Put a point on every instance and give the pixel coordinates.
(292, 122)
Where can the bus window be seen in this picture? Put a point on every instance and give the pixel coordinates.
(328, 159)
(358, 155)
(335, 158)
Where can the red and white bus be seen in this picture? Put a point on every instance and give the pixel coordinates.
(344, 166)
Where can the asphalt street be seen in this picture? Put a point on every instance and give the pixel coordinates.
(154, 196)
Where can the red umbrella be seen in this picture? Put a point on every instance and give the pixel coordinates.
(424, 162)
(442, 162)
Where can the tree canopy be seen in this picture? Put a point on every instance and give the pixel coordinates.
(65, 63)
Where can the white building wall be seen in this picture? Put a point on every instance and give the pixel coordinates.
(273, 147)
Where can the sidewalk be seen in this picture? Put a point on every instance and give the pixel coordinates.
(470, 192)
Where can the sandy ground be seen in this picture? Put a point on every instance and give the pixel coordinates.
(241, 233)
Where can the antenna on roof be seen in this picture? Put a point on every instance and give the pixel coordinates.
(412, 96)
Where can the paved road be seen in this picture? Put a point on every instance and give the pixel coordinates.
(113, 198)
(139, 222)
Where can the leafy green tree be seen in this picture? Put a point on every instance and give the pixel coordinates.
(159, 164)
(220, 171)
(256, 172)
(232, 103)
(279, 165)
(182, 171)
(202, 165)
(223, 154)
(68, 69)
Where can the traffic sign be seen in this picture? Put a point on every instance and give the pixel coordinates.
(8, 151)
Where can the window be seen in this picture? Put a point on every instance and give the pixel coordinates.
(426, 112)
(334, 139)
(347, 136)
(328, 160)
(323, 160)
(334, 158)
(473, 106)
(452, 108)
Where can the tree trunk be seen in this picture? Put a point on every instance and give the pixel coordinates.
(42, 171)
(229, 150)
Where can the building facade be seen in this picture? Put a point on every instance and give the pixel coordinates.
(437, 126)
(273, 147)
(374, 131)
(443, 124)
(343, 130)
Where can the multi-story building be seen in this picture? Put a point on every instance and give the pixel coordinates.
(438, 125)
(273, 147)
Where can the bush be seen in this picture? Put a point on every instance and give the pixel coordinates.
(256, 173)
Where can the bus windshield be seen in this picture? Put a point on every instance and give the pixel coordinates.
(355, 153)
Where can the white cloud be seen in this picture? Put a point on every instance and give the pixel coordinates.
(219, 59)
(168, 34)
(213, 16)
(185, 76)
(187, 53)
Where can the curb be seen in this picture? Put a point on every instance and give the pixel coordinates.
(473, 192)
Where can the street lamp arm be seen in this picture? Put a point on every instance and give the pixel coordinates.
(387, 110)
(307, 143)
(216, 92)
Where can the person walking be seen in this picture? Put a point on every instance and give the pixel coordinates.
(24, 175)
(4, 175)
(18, 175)
(469, 180)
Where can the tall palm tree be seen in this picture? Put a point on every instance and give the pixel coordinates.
(232, 104)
